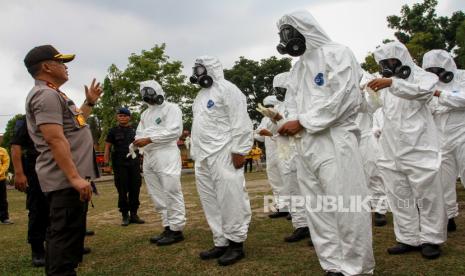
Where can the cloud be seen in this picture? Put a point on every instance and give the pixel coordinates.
(106, 32)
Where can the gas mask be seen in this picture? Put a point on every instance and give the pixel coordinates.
(444, 76)
(280, 93)
(291, 42)
(393, 67)
(200, 77)
(150, 96)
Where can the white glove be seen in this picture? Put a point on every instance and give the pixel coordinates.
(132, 151)
(267, 112)
(187, 142)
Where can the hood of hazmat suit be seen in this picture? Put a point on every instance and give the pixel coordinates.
(280, 80)
(324, 105)
(408, 125)
(270, 100)
(449, 107)
(220, 116)
(324, 95)
(161, 123)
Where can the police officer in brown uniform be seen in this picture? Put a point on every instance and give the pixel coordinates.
(63, 139)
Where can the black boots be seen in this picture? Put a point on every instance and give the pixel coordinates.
(38, 255)
(167, 237)
(401, 248)
(298, 234)
(278, 214)
(430, 251)
(154, 239)
(233, 254)
(380, 219)
(213, 253)
(226, 255)
(451, 226)
(171, 237)
(125, 221)
(135, 218)
(334, 274)
(289, 216)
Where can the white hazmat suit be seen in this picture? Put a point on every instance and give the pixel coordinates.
(272, 160)
(324, 95)
(221, 127)
(162, 158)
(288, 159)
(410, 156)
(369, 149)
(449, 115)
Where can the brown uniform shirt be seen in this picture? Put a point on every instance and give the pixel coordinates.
(45, 105)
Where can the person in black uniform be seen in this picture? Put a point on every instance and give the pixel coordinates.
(24, 155)
(126, 169)
(26, 181)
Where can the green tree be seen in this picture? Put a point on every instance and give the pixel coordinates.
(370, 64)
(121, 87)
(255, 79)
(10, 131)
(421, 30)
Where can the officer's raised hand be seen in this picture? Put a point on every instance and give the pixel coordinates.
(93, 92)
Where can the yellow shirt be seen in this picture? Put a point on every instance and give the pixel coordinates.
(4, 163)
(256, 153)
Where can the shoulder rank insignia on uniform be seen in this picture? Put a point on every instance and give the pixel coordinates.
(210, 104)
(158, 120)
(319, 79)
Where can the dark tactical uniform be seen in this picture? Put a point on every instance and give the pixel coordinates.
(126, 169)
(36, 202)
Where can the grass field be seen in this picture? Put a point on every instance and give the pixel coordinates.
(120, 250)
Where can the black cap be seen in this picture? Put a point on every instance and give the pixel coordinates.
(45, 52)
(124, 110)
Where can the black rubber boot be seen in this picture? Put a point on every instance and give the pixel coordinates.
(170, 238)
(278, 214)
(136, 219)
(125, 221)
(38, 255)
(430, 251)
(161, 236)
(289, 216)
(380, 219)
(86, 250)
(213, 253)
(401, 248)
(233, 254)
(298, 235)
(334, 274)
(90, 232)
(451, 226)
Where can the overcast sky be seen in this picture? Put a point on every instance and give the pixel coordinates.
(104, 32)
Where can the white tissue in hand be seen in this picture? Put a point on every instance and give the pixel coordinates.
(132, 151)
(373, 95)
(268, 112)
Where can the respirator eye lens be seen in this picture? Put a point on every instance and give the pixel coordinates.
(148, 91)
(199, 70)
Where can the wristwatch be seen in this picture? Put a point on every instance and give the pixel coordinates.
(86, 102)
